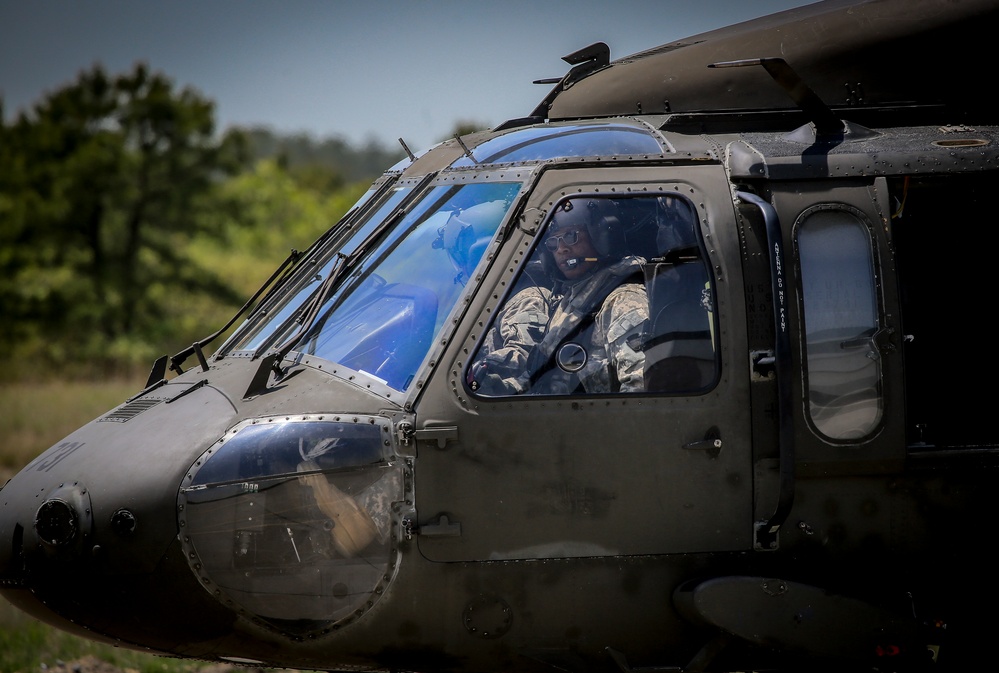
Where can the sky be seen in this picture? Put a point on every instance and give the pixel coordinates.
(359, 69)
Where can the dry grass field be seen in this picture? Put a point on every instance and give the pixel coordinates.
(34, 416)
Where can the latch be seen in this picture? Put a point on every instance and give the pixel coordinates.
(443, 528)
(440, 433)
(763, 365)
(404, 431)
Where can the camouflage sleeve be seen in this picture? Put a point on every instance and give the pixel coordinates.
(621, 319)
(520, 326)
(501, 365)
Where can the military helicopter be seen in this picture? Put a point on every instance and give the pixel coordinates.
(660, 377)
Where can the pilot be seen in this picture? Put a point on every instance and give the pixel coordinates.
(585, 331)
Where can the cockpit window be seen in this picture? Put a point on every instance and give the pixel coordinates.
(541, 143)
(616, 298)
(279, 315)
(388, 300)
(396, 277)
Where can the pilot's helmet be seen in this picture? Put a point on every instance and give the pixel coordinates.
(599, 217)
(466, 235)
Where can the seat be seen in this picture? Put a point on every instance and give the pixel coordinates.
(401, 326)
(679, 348)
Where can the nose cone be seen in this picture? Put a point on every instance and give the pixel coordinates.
(171, 524)
(88, 530)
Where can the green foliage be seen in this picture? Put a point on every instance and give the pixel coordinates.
(108, 179)
(275, 210)
(129, 230)
(465, 127)
(334, 154)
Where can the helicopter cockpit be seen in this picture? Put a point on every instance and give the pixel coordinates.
(278, 503)
(376, 295)
(638, 319)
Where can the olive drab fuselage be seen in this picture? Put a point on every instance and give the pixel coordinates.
(637, 381)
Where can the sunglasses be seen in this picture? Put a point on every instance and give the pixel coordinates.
(570, 238)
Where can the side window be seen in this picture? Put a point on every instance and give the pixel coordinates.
(841, 320)
(615, 298)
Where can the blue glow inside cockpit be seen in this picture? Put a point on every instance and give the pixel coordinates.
(376, 304)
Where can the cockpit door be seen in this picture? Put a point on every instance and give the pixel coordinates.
(576, 472)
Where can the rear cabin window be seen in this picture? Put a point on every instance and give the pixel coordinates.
(840, 311)
(616, 297)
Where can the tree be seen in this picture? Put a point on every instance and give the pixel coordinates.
(102, 186)
(336, 154)
(464, 127)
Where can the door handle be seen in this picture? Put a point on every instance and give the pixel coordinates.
(711, 443)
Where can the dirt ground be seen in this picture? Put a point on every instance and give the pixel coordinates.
(91, 664)
(85, 665)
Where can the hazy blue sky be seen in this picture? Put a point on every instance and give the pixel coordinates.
(363, 69)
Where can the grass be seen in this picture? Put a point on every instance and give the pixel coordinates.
(33, 417)
(27, 645)
(37, 415)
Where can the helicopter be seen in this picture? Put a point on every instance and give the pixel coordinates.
(660, 377)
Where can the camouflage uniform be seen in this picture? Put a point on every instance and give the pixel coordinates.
(615, 342)
(535, 322)
(501, 367)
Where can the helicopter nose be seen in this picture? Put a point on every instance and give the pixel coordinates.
(88, 530)
(294, 522)
(160, 535)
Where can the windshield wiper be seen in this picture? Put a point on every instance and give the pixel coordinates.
(196, 348)
(271, 361)
(308, 314)
(307, 317)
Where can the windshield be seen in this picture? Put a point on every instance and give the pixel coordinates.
(278, 316)
(383, 315)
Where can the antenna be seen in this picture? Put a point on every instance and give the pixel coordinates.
(468, 152)
(585, 61)
(409, 152)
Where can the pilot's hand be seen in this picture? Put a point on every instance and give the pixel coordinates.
(485, 382)
(494, 384)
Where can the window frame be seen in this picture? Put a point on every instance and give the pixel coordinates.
(537, 242)
(859, 219)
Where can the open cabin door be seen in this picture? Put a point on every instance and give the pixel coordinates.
(553, 465)
(945, 282)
